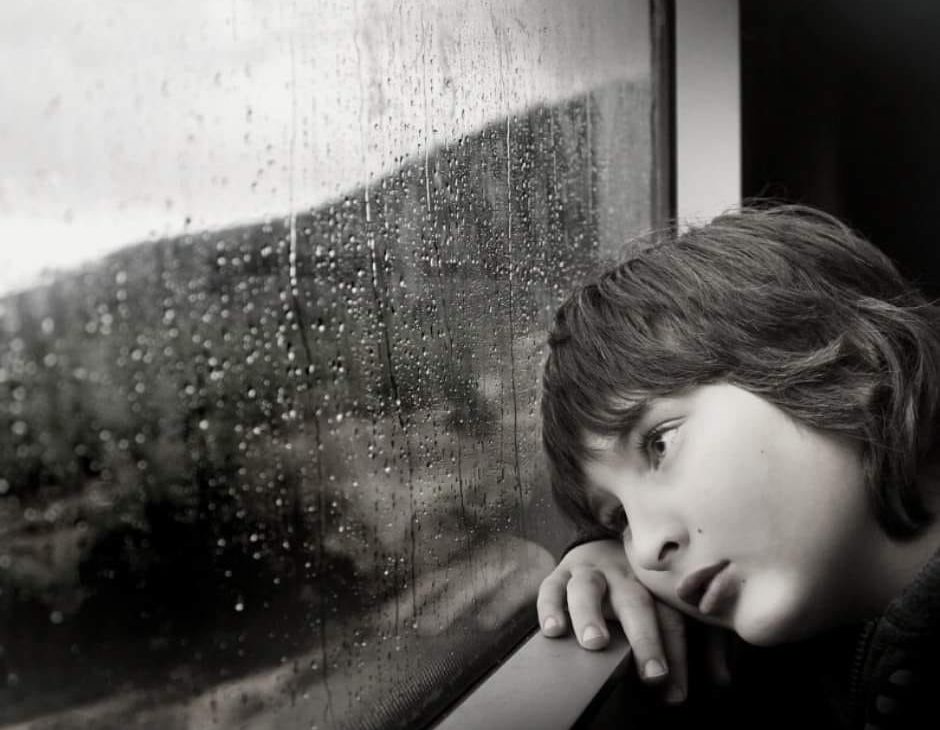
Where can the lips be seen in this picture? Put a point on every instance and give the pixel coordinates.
(693, 587)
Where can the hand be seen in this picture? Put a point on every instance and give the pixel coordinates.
(595, 579)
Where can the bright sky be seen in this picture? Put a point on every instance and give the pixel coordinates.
(121, 121)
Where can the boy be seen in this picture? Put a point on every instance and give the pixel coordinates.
(750, 409)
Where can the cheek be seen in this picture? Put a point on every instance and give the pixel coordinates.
(777, 607)
(814, 490)
(729, 489)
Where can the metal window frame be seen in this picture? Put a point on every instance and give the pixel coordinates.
(552, 684)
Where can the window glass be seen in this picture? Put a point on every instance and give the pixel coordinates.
(275, 280)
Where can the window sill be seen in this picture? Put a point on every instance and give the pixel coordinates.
(545, 683)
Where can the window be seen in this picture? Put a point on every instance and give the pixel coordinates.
(276, 280)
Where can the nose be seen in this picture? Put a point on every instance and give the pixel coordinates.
(655, 540)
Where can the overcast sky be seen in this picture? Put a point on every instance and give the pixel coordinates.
(124, 120)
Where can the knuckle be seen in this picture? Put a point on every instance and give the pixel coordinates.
(644, 643)
(632, 599)
(672, 622)
(555, 582)
(549, 604)
(587, 580)
(545, 605)
(553, 586)
(550, 599)
(624, 571)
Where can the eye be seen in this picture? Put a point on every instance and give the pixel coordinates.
(658, 442)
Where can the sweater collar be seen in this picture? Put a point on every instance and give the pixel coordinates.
(916, 611)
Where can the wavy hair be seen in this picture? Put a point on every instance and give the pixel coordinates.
(785, 302)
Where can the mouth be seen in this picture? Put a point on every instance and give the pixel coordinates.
(701, 590)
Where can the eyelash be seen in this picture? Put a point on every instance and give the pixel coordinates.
(645, 444)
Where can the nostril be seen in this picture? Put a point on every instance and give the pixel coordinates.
(667, 549)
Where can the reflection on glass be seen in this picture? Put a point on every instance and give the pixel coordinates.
(285, 473)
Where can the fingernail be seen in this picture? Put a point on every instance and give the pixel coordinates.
(654, 668)
(675, 694)
(551, 624)
(591, 633)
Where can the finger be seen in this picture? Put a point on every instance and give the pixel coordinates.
(635, 609)
(717, 651)
(585, 593)
(672, 632)
(550, 603)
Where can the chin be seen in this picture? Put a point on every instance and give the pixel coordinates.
(761, 635)
(777, 624)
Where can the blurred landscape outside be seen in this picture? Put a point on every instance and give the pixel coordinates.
(287, 473)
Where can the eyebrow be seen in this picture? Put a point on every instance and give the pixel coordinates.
(635, 413)
(627, 419)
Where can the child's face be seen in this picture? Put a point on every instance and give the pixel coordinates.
(727, 478)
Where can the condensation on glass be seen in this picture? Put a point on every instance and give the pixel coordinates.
(276, 279)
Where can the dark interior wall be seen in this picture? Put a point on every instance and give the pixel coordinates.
(841, 110)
